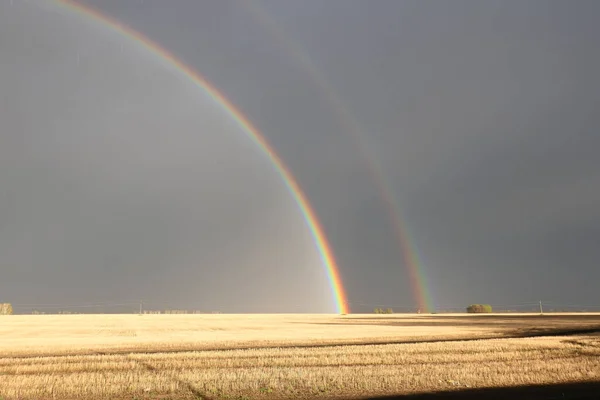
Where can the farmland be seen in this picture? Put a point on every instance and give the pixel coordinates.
(289, 356)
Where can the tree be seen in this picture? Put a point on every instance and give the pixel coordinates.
(479, 309)
(6, 309)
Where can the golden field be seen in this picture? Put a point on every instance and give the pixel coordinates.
(289, 356)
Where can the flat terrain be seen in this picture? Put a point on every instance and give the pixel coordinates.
(290, 356)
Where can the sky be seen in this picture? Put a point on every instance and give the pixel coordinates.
(122, 181)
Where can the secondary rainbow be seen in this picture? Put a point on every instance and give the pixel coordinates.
(408, 250)
(323, 246)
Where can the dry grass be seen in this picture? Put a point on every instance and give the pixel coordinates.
(284, 356)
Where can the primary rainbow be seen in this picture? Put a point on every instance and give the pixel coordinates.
(407, 248)
(323, 246)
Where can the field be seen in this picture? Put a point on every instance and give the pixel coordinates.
(289, 356)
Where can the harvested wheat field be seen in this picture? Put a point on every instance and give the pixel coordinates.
(289, 356)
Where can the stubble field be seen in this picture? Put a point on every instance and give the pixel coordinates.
(289, 356)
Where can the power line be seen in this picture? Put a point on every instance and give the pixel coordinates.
(144, 305)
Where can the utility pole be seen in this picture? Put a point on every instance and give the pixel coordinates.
(541, 309)
(141, 303)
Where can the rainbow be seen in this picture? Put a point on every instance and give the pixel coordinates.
(407, 248)
(309, 215)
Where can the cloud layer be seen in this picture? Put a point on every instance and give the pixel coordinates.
(481, 114)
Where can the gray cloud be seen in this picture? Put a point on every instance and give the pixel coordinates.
(482, 114)
(483, 117)
(122, 181)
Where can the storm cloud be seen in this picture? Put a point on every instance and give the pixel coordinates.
(121, 180)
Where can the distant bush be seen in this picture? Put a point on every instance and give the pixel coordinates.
(382, 311)
(6, 309)
(479, 309)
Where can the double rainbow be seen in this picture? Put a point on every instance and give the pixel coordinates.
(406, 245)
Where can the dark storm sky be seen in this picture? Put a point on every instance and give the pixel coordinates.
(122, 181)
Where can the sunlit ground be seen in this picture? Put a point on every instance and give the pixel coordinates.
(289, 356)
